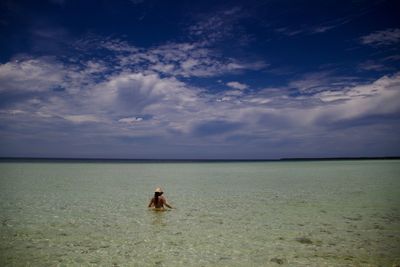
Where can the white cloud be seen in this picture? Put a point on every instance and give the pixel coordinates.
(380, 97)
(12, 112)
(237, 85)
(377, 98)
(130, 120)
(82, 118)
(136, 91)
(190, 60)
(382, 38)
(41, 74)
(188, 64)
(164, 68)
(92, 67)
(194, 59)
(115, 45)
(321, 81)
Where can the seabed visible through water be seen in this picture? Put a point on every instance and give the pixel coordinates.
(336, 213)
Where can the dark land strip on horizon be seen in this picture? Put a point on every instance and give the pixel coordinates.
(127, 160)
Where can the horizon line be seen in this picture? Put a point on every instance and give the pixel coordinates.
(92, 159)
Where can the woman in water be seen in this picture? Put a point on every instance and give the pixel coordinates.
(158, 201)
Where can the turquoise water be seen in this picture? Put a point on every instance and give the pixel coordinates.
(320, 213)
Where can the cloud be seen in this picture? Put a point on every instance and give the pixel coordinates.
(237, 85)
(138, 92)
(31, 75)
(130, 120)
(321, 108)
(124, 97)
(371, 65)
(81, 118)
(192, 60)
(311, 29)
(377, 98)
(173, 59)
(218, 25)
(12, 112)
(382, 38)
(321, 81)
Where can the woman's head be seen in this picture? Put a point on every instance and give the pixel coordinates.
(158, 190)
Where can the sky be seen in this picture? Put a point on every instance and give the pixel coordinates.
(147, 79)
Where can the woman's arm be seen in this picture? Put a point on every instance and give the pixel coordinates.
(151, 202)
(165, 203)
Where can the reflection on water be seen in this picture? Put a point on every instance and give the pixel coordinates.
(338, 213)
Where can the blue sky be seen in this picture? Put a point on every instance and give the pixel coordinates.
(199, 79)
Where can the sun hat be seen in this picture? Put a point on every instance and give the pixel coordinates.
(158, 190)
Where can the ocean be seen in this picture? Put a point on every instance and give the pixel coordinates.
(284, 213)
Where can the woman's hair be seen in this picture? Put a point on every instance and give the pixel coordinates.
(156, 195)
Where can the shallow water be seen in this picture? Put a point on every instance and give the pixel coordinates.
(321, 213)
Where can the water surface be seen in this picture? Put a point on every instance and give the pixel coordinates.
(319, 213)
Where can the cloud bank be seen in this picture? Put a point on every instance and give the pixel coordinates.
(142, 98)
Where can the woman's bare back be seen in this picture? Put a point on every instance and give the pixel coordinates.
(160, 203)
